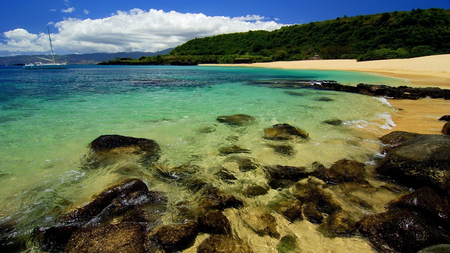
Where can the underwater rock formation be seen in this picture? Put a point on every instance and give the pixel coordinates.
(236, 120)
(284, 132)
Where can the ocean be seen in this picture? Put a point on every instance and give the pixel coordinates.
(49, 117)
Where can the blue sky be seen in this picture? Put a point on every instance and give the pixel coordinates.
(81, 26)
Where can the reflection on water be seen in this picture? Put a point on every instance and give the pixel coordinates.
(49, 119)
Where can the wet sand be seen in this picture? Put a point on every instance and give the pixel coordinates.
(419, 116)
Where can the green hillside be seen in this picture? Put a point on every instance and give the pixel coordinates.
(370, 37)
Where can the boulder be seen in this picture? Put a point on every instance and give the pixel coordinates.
(223, 244)
(290, 209)
(418, 162)
(283, 176)
(236, 120)
(446, 128)
(216, 199)
(226, 175)
(396, 138)
(312, 213)
(309, 193)
(121, 237)
(440, 248)
(333, 122)
(284, 132)
(284, 150)
(214, 222)
(261, 222)
(288, 244)
(342, 171)
(255, 190)
(175, 237)
(339, 224)
(445, 118)
(402, 231)
(108, 149)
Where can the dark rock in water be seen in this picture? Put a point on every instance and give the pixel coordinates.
(402, 231)
(312, 213)
(255, 190)
(342, 171)
(333, 122)
(107, 149)
(223, 244)
(54, 239)
(446, 129)
(226, 175)
(421, 161)
(245, 163)
(396, 138)
(324, 99)
(426, 201)
(285, 150)
(403, 92)
(216, 199)
(233, 150)
(214, 222)
(120, 237)
(339, 224)
(284, 176)
(115, 201)
(284, 132)
(441, 248)
(287, 244)
(175, 237)
(445, 118)
(311, 193)
(290, 209)
(261, 222)
(236, 120)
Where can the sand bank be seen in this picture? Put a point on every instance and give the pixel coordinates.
(420, 116)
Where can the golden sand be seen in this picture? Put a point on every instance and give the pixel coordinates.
(419, 116)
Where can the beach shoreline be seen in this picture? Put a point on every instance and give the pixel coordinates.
(419, 116)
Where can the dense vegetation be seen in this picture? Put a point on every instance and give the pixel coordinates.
(370, 37)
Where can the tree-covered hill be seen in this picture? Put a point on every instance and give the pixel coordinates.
(370, 37)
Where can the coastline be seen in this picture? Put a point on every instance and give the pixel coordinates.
(419, 116)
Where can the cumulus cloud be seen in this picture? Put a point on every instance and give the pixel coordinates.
(139, 30)
(20, 40)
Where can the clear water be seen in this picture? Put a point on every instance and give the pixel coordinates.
(48, 118)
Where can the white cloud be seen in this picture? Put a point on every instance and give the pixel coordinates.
(139, 30)
(86, 11)
(68, 10)
(19, 40)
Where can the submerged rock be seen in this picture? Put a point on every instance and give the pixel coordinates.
(255, 190)
(333, 122)
(214, 222)
(260, 222)
(446, 129)
(226, 175)
(236, 120)
(309, 193)
(245, 163)
(175, 237)
(121, 237)
(402, 231)
(342, 171)
(233, 150)
(108, 149)
(284, 132)
(339, 224)
(216, 199)
(420, 161)
(285, 150)
(284, 176)
(312, 213)
(290, 209)
(396, 138)
(223, 244)
(288, 244)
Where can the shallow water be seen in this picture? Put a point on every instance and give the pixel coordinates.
(48, 118)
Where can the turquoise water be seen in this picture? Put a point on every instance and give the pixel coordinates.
(48, 118)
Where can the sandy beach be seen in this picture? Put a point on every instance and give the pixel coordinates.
(419, 116)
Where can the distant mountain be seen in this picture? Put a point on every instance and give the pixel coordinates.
(78, 58)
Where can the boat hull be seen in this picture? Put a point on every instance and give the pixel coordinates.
(45, 66)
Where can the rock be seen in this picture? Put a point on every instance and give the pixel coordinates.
(445, 118)
(310, 193)
(226, 175)
(339, 223)
(245, 163)
(236, 120)
(441, 248)
(418, 162)
(255, 190)
(401, 231)
(426, 201)
(290, 209)
(342, 171)
(446, 128)
(396, 138)
(324, 99)
(284, 132)
(223, 244)
(288, 244)
(333, 122)
(260, 222)
(285, 150)
(108, 149)
(216, 199)
(312, 213)
(214, 222)
(175, 237)
(121, 237)
(233, 150)
(114, 201)
(54, 239)
(283, 176)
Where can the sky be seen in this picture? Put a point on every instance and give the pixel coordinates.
(93, 26)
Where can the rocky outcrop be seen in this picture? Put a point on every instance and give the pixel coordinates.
(342, 171)
(214, 222)
(396, 138)
(420, 161)
(236, 120)
(284, 132)
(284, 176)
(175, 237)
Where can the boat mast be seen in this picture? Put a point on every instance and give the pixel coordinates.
(50, 39)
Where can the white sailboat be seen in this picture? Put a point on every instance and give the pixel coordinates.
(51, 65)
